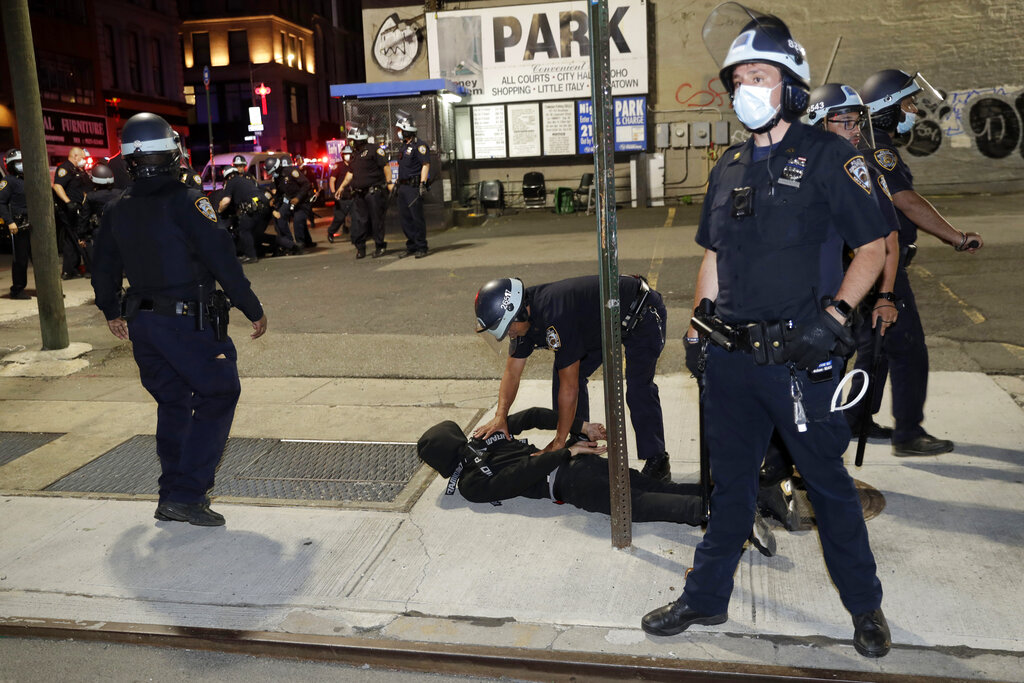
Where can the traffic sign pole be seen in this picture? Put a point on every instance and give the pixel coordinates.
(209, 113)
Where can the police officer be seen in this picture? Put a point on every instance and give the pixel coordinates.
(100, 195)
(342, 199)
(121, 177)
(413, 171)
(370, 174)
(283, 204)
(187, 174)
(166, 239)
(242, 193)
(302, 182)
(70, 183)
(14, 215)
(890, 96)
(565, 317)
(778, 209)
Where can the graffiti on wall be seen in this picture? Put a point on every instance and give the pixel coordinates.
(712, 95)
(988, 119)
(397, 43)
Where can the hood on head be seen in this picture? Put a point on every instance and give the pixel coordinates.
(442, 447)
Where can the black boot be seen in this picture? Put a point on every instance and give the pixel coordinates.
(198, 514)
(657, 467)
(871, 634)
(676, 617)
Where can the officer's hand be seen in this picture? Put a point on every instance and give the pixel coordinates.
(277, 214)
(972, 242)
(586, 447)
(595, 431)
(692, 349)
(815, 342)
(883, 315)
(259, 327)
(423, 190)
(497, 424)
(119, 328)
(294, 201)
(13, 227)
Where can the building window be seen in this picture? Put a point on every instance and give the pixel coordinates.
(134, 62)
(190, 95)
(298, 104)
(157, 63)
(237, 101)
(201, 49)
(65, 79)
(284, 47)
(238, 47)
(302, 53)
(107, 52)
(290, 56)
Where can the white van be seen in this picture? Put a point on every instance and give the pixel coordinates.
(213, 172)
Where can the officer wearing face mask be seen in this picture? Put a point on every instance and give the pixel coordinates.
(891, 96)
(369, 177)
(342, 200)
(778, 209)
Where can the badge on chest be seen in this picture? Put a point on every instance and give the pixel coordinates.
(793, 172)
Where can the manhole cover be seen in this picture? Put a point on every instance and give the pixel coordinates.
(356, 473)
(16, 444)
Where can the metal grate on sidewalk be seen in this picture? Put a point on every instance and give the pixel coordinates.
(354, 473)
(16, 444)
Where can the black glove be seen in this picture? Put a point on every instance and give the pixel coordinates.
(693, 357)
(815, 342)
(423, 190)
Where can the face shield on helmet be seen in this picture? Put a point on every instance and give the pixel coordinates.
(228, 172)
(358, 137)
(838, 108)
(14, 163)
(405, 125)
(273, 165)
(498, 304)
(884, 94)
(239, 160)
(734, 35)
(149, 146)
(102, 175)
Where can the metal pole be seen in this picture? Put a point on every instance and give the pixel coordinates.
(608, 251)
(53, 324)
(209, 121)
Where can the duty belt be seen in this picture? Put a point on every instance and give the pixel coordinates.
(765, 341)
(169, 307)
(409, 181)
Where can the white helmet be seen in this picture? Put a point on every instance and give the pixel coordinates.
(405, 123)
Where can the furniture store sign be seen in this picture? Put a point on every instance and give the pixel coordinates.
(536, 52)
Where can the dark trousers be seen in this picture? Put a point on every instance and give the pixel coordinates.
(194, 379)
(342, 208)
(68, 229)
(643, 347)
(21, 246)
(743, 402)
(248, 225)
(368, 219)
(583, 482)
(302, 220)
(904, 359)
(284, 233)
(410, 212)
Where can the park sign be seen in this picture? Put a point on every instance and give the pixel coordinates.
(536, 52)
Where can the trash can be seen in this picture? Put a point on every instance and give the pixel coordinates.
(564, 201)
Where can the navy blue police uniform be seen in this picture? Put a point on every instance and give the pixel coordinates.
(14, 209)
(565, 317)
(343, 204)
(776, 265)
(72, 216)
(298, 185)
(412, 156)
(904, 353)
(122, 179)
(167, 240)
(369, 196)
(96, 203)
(191, 179)
(284, 210)
(248, 201)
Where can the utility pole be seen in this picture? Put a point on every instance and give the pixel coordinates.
(53, 323)
(608, 251)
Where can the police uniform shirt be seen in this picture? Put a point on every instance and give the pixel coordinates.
(73, 179)
(777, 263)
(565, 317)
(189, 176)
(884, 199)
(368, 167)
(295, 184)
(122, 179)
(98, 200)
(166, 239)
(241, 188)
(897, 176)
(12, 199)
(411, 159)
(338, 172)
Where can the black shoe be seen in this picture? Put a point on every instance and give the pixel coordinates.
(330, 237)
(406, 254)
(761, 537)
(198, 514)
(657, 468)
(379, 251)
(422, 253)
(20, 294)
(875, 431)
(248, 259)
(69, 276)
(871, 634)
(297, 250)
(777, 501)
(310, 244)
(926, 444)
(676, 617)
(361, 253)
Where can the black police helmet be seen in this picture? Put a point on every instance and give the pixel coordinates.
(498, 304)
(14, 163)
(239, 160)
(149, 146)
(102, 175)
(833, 98)
(273, 165)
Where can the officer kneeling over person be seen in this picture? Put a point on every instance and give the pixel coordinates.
(499, 468)
(777, 211)
(565, 317)
(166, 239)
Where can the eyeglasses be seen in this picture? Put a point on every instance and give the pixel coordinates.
(848, 124)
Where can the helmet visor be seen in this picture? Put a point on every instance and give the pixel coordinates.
(722, 27)
(927, 91)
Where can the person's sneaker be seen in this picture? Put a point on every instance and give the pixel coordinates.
(20, 294)
(926, 444)
(197, 514)
(422, 253)
(657, 468)
(875, 431)
(406, 254)
(761, 537)
(871, 634)
(676, 617)
(777, 501)
(379, 251)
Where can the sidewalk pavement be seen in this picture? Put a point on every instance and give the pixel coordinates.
(528, 574)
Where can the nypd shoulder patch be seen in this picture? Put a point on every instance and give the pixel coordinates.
(205, 208)
(3, 184)
(295, 173)
(380, 151)
(886, 158)
(553, 340)
(422, 149)
(61, 172)
(885, 187)
(857, 169)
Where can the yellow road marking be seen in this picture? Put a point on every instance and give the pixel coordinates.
(1014, 350)
(658, 256)
(973, 314)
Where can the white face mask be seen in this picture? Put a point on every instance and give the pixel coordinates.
(80, 163)
(907, 124)
(753, 105)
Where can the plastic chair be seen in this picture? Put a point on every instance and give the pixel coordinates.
(490, 194)
(535, 194)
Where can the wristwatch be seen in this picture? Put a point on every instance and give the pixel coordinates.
(844, 308)
(888, 296)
